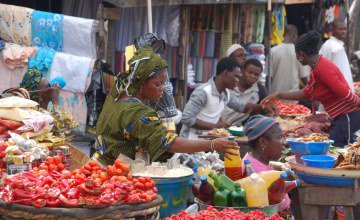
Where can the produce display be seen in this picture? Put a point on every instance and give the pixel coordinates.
(314, 138)
(51, 185)
(291, 109)
(228, 213)
(302, 126)
(221, 132)
(351, 160)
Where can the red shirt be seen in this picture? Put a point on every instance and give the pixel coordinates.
(329, 86)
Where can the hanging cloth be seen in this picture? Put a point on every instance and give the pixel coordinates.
(47, 30)
(15, 24)
(278, 20)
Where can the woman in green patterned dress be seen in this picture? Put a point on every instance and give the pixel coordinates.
(127, 124)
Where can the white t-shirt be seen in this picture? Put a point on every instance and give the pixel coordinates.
(333, 50)
(251, 95)
(286, 69)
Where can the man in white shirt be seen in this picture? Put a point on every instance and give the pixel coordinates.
(286, 70)
(333, 50)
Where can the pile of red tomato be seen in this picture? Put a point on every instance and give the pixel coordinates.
(225, 214)
(3, 147)
(50, 185)
(291, 109)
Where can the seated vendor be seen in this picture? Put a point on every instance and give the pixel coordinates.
(39, 88)
(202, 112)
(266, 142)
(247, 90)
(127, 124)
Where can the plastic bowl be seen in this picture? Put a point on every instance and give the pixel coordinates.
(321, 161)
(308, 148)
(236, 131)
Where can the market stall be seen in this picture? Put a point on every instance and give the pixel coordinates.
(29, 44)
(329, 177)
(45, 177)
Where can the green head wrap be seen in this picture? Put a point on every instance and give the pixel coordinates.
(143, 65)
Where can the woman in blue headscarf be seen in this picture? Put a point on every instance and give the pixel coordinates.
(266, 143)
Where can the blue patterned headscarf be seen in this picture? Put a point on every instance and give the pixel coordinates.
(257, 125)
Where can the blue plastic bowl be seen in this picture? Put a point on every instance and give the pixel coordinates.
(308, 148)
(320, 161)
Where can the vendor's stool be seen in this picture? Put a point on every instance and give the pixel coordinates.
(309, 201)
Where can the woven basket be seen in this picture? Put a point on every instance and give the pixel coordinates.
(16, 211)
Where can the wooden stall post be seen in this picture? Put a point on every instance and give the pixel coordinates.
(269, 74)
(184, 40)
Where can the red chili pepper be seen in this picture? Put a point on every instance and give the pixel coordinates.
(22, 194)
(39, 203)
(53, 203)
(73, 193)
(9, 124)
(86, 190)
(30, 176)
(64, 185)
(53, 192)
(28, 202)
(9, 195)
(92, 201)
(106, 198)
(68, 202)
(17, 184)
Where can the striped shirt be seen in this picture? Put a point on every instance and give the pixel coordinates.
(329, 86)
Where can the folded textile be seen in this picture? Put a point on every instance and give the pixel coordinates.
(47, 30)
(10, 78)
(199, 69)
(15, 24)
(206, 70)
(74, 69)
(217, 45)
(42, 59)
(195, 44)
(79, 36)
(210, 44)
(202, 44)
(17, 56)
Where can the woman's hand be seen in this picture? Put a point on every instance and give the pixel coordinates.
(269, 103)
(225, 146)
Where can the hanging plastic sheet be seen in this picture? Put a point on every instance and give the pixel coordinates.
(79, 36)
(74, 69)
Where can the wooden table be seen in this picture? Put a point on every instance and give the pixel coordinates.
(309, 201)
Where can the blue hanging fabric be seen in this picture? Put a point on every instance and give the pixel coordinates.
(47, 30)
